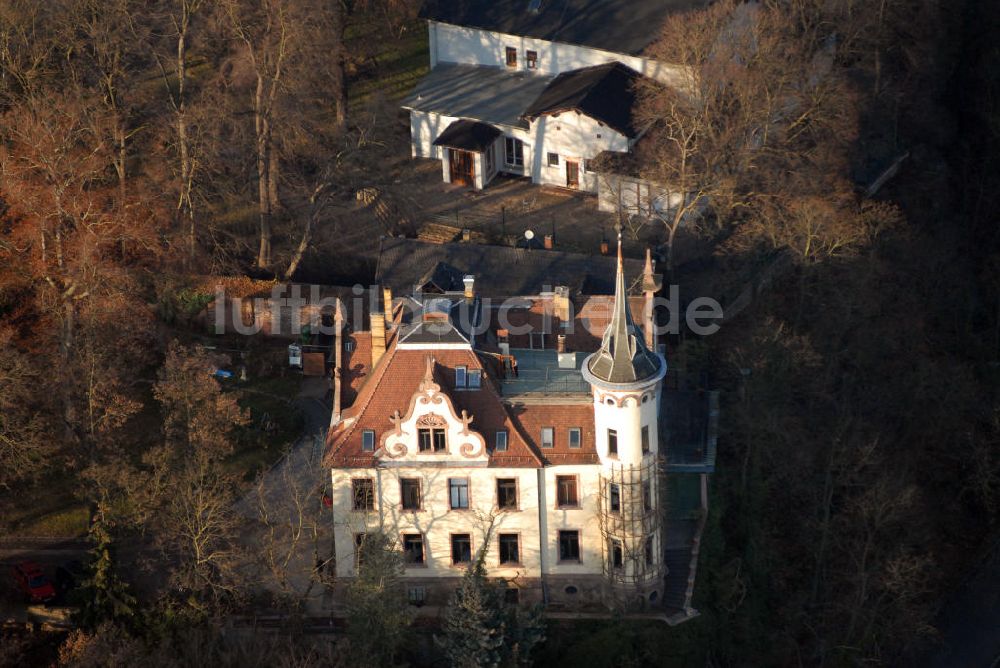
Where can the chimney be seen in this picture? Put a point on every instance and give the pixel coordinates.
(378, 337)
(548, 242)
(466, 234)
(649, 288)
(470, 291)
(387, 306)
(561, 343)
(560, 302)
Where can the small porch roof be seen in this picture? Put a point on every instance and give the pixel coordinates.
(468, 135)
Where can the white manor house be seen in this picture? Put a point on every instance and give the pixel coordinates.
(539, 88)
(546, 449)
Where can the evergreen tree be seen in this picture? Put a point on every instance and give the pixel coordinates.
(104, 597)
(378, 614)
(480, 629)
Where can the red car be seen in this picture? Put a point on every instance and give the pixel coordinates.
(32, 582)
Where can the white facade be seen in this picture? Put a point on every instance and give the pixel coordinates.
(556, 147)
(458, 44)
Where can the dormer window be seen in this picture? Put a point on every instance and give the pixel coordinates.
(368, 440)
(475, 378)
(460, 376)
(511, 57)
(500, 445)
(431, 440)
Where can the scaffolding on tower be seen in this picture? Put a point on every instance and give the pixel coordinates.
(631, 522)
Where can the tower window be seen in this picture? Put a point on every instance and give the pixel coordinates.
(614, 497)
(612, 442)
(648, 549)
(647, 496)
(645, 439)
(548, 437)
(569, 546)
(617, 553)
(574, 437)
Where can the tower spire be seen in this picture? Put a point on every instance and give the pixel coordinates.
(623, 356)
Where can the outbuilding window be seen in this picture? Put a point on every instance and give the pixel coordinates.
(511, 57)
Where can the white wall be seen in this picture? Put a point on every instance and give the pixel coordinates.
(626, 415)
(573, 136)
(584, 519)
(455, 44)
(425, 127)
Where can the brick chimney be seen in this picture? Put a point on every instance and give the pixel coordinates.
(378, 337)
(387, 306)
(561, 343)
(561, 303)
(470, 287)
(547, 242)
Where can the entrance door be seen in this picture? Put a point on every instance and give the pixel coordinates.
(572, 174)
(462, 169)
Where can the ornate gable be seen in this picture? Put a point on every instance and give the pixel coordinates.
(431, 420)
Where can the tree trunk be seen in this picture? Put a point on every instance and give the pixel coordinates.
(339, 62)
(262, 125)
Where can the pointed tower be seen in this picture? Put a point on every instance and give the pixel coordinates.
(625, 378)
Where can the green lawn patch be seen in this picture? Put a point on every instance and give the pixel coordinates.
(72, 521)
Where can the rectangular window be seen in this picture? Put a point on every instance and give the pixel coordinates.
(413, 548)
(553, 159)
(474, 378)
(458, 493)
(368, 440)
(647, 496)
(511, 57)
(616, 553)
(461, 548)
(645, 439)
(548, 437)
(615, 497)
(431, 440)
(440, 444)
(574, 437)
(417, 596)
(532, 58)
(514, 153)
(507, 493)
(612, 442)
(510, 548)
(648, 549)
(363, 493)
(569, 546)
(460, 376)
(409, 493)
(500, 445)
(566, 492)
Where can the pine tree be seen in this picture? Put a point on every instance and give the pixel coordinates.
(378, 614)
(104, 596)
(480, 629)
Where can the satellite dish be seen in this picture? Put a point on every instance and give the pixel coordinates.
(529, 235)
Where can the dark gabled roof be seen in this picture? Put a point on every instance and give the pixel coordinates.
(468, 136)
(489, 94)
(605, 92)
(500, 271)
(613, 25)
(441, 278)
